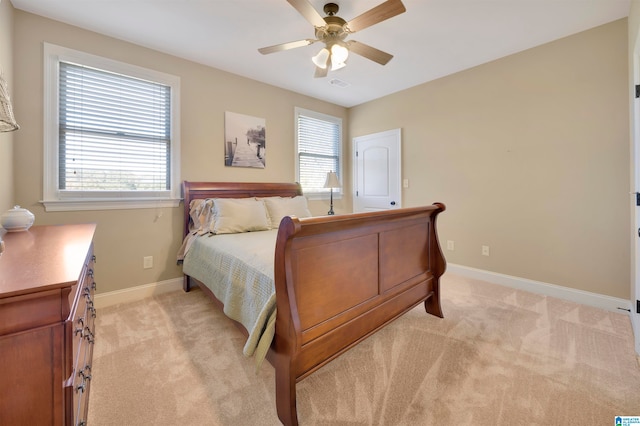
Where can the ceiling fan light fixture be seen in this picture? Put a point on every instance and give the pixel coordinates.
(339, 53)
(320, 60)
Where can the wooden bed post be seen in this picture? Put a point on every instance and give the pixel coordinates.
(186, 285)
(286, 392)
(287, 324)
(186, 197)
(432, 304)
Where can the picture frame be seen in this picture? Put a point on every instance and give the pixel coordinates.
(244, 140)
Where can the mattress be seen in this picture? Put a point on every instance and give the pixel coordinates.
(238, 269)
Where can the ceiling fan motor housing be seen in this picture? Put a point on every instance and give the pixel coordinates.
(335, 31)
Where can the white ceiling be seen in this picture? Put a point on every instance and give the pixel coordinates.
(433, 38)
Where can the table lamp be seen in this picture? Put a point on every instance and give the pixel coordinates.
(331, 182)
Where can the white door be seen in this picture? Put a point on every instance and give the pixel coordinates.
(377, 171)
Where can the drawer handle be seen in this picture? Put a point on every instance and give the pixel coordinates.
(89, 335)
(84, 375)
(93, 311)
(86, 291)
(93, 285)
(80, 387)
(90, 273)
(93, 258)
(80, 328)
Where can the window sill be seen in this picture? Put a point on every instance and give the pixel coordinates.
(108, 204)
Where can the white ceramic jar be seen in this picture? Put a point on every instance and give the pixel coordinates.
(17, 219)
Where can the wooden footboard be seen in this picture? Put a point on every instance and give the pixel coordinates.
(340, 278)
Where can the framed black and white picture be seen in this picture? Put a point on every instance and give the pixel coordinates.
(244, 140)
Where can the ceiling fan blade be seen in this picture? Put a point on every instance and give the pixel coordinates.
(382, 12)
(321, 72)
(369, 52)
(307, 10)
(286, 46)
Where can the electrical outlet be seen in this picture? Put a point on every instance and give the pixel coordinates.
(405, 183)
(485, 250)
(147, 262)
(451, 245)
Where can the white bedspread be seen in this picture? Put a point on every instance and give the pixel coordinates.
(238, 268)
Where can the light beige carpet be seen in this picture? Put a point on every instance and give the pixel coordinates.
(499, 357)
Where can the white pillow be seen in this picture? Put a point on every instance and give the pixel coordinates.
(279, 207)
(233, 215)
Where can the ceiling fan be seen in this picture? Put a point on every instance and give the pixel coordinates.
(332, 30)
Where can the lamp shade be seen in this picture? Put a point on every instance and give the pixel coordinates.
(336, 56)
(332, 180)
(339, 55)
(7, 121)
(321, 58)
(337, 66)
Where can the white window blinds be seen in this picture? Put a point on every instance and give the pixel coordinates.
(318, 150)
(114, 132)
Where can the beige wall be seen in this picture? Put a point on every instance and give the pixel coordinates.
(530, 153)
(6, 139)
(124, 237)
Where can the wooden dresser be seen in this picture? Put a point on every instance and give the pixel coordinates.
(46, 325)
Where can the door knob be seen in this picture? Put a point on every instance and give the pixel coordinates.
(393, 203)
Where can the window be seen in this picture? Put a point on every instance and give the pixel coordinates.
(318, 148)
(111, 136)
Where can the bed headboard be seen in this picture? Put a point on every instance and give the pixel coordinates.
(202, 190)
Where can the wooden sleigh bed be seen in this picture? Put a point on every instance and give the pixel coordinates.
(338, 279)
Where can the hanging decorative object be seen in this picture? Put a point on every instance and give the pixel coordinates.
(7, 121)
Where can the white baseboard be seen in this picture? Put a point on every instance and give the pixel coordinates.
(578, 296)
(596, 300)
(102, 300)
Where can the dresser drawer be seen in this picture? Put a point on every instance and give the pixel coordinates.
(78, 390)
(80, 347)
(80, 322)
